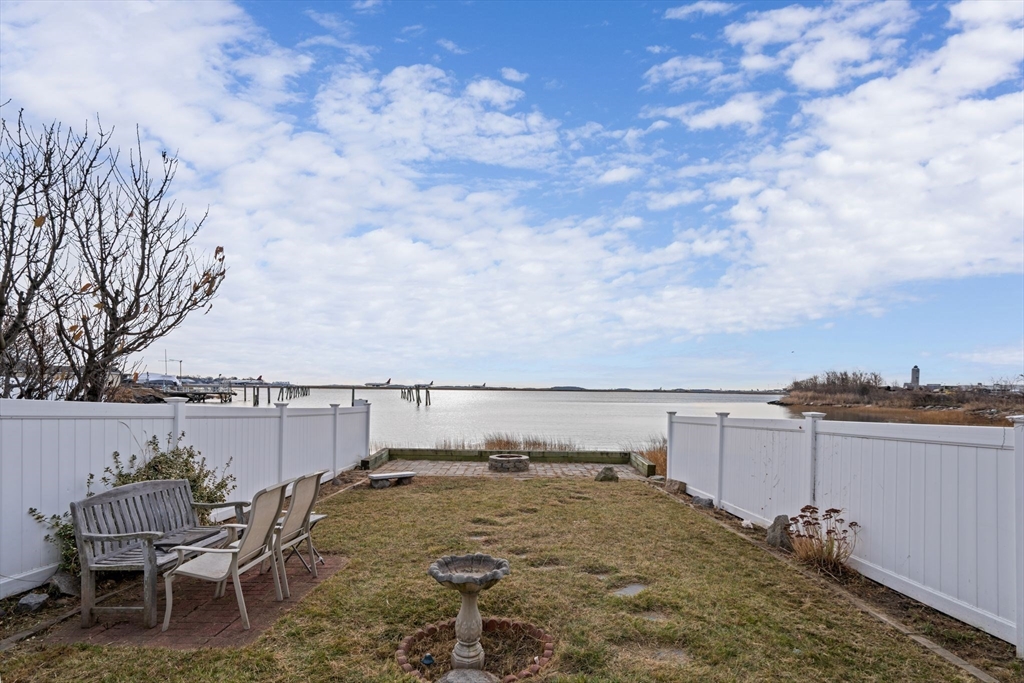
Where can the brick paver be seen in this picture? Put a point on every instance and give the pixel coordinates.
(198, 619)
(450, 468)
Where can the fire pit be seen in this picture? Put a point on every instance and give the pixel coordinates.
(508, 462)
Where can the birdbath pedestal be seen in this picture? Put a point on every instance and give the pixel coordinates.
(469, 574)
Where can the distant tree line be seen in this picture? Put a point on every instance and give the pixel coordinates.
(835, 382)
(97, 261)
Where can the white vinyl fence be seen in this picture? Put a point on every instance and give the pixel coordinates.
(49, 448)
(941, 508)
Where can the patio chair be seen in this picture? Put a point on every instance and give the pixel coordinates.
(218, 564)
(295, 527)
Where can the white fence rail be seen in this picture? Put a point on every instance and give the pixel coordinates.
(941, 508)
(49, 448)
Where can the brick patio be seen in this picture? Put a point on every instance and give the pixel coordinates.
(199, 620)
(449, 468)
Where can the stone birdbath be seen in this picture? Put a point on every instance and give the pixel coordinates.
(469, 574)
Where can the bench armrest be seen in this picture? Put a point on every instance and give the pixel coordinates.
(233, 503)
(144, 535)
(237, 504)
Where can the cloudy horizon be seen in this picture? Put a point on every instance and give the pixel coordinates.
(708, 194)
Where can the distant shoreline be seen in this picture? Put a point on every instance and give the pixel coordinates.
(363, 387)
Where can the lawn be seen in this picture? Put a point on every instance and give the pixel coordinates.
(722, 608)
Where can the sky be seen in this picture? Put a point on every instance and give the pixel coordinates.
(699, 195)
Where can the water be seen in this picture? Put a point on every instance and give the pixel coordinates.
(596, 420)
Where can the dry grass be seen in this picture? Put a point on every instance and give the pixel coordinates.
(508, 441)
(653, 449)
(824, 540)
(737, 612)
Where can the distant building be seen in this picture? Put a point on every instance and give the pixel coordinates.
(915, 379)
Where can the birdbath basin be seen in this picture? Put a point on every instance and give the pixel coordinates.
(468, 574)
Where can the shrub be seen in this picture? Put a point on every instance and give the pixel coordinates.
(179, 462)
(654, 449)
(824, 541)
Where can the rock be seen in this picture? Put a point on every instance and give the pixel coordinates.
(703, 502)
(747, 524)
(380, 483)
(673, 486)
(778, 534)
(656, 477)
(468, 676)
(32, 602)
(63, 583)
(607, 474)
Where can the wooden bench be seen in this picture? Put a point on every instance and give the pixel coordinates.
(382, 481)
(133, 528)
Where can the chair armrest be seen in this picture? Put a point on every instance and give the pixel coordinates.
(144, 535)
(182, 549)
(233, 526)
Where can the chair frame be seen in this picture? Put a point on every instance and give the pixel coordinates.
(300, 533)
(262, 553)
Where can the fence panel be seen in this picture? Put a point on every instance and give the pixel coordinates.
(49, 448)
(939, 506)
(693, 456)
(936, 506)
(764, 473)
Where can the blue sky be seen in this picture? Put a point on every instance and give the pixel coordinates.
(703, 194)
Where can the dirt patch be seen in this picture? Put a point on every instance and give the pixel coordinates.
(505, 652)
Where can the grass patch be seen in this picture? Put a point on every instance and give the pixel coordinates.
(736, 612)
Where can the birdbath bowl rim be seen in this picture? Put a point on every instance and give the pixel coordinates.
(469, 573)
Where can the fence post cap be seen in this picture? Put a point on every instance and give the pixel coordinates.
(334, 405)
(1016, 419)
(722, 414)
(175, 399)
(671, 412)
(814, 415)
(281, 405)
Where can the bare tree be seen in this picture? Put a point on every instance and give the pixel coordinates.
(108, 269)
(43, 181)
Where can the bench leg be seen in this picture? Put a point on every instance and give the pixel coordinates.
(88, 598)
(149, 581)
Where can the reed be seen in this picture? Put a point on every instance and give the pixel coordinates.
(654, 449)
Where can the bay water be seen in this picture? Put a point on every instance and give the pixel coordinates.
(595, 420)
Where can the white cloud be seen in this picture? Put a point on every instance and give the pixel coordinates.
(744, 109)
(367, 6)
(417, 113)
(355, 225)
(661, 201)
(510, 74)
(658, 49)
(823, 46)
(451, 46)
(619, 174)
(700, 7)
(1011, 356)
(682, 72)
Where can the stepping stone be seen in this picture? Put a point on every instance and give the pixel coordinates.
(468, 676)
(477, 538)
(630, 590)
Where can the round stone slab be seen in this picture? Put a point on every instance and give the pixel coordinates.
(468, 676)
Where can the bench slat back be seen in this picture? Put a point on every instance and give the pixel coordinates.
(145, 506)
